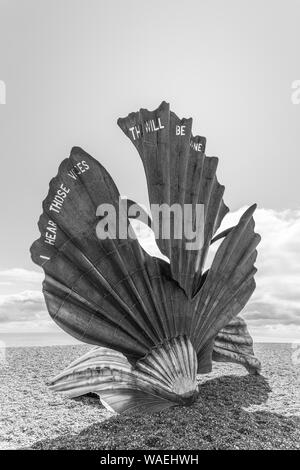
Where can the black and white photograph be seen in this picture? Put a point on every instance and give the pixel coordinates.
(150, 229)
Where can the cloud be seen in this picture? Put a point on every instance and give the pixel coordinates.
(20, 274)
(22, 307)
(276, 300)
(16, 280)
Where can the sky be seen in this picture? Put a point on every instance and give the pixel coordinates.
(71, 68)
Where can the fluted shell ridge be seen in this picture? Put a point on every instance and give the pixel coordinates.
(174, 364)
(166, 376)
(178, 172)
(234, 344)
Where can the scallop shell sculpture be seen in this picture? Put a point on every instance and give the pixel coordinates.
(156, 324)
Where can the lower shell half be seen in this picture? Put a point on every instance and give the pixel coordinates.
(165, 377)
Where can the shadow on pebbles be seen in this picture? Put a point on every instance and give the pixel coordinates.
(234, 410)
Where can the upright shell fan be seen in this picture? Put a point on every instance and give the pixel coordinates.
(155, 324)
